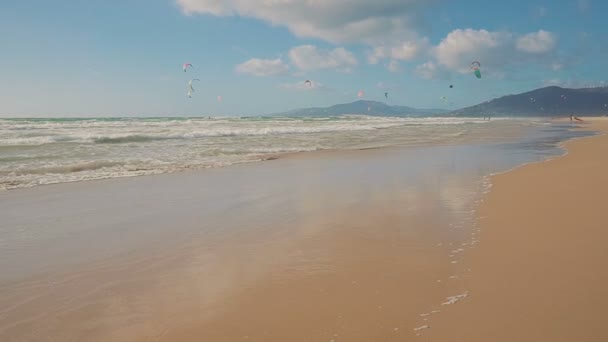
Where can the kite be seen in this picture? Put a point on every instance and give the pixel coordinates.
(451, 86)
(185, 66)
(190, 88)
(219, 98)
(360, 93)
(190, 83)
(475, 65)
(309, 83)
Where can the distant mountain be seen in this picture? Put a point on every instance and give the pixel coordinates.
(548, 101)
(373, 108)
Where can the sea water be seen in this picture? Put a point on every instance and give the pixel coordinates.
(47, 151)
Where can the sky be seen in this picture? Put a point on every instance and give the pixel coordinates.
(124, 57)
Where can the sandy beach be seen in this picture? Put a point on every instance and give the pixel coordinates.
(541, 268)
(355, 246)
(300, 248)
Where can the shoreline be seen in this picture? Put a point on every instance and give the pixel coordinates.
(367, 238)
(294, 236)
(561, 145)
(530, 278)
(515, 134)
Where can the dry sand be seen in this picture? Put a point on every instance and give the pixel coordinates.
(540, 272)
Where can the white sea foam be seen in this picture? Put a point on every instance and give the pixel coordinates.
(47, 151)
(454, 299)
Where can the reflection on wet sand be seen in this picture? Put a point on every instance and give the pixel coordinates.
(352, 246)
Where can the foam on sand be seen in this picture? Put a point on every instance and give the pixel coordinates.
(454, 299)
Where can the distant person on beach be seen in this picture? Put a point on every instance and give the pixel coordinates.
(571, 117)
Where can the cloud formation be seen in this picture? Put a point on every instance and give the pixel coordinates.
(338, 21)
(263, 67)
(536, 42)
(496, 51)
(392, 29)
(309, 57)
(460, 47)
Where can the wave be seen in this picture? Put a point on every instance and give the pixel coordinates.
(207, 133)
(61, 169)
(126, 139)
(64, 152)
(145, 130)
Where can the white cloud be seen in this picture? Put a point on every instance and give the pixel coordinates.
(409, 50)
(495, 50)
(376, 55)
(309, 57)
(536, 42)
(460, 47)
(338, 21)
(263, 67)
(392, 28)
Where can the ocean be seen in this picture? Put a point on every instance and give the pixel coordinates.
(48, 151)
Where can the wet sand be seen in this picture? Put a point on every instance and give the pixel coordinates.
(311, 248)
(540, 272)
(357, 246)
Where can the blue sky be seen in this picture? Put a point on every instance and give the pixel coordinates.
(124, 57)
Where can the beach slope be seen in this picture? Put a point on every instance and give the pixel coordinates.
(540, 272)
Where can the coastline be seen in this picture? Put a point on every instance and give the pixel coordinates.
(502, 130)
(358, 244)
(540, 270)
